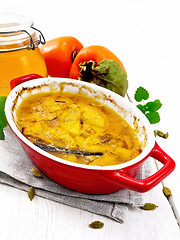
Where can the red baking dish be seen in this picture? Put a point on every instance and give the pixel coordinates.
(86, 178)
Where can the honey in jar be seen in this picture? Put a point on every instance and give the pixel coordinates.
(19, 51)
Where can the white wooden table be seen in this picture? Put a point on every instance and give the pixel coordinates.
(144, 34)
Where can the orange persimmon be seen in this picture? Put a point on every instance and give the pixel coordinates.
(59, 54)
(95, 53)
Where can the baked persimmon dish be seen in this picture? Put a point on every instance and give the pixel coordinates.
(77, 128)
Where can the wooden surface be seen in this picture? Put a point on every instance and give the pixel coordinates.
(145, 36)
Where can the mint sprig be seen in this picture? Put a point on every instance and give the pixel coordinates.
(150, 109)
(3, 121)
(141, 94)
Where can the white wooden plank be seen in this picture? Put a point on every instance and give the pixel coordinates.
(43, 219)
(171, 147)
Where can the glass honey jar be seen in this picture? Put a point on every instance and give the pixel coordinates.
(19, 51)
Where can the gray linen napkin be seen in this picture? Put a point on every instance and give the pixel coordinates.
(15, 168)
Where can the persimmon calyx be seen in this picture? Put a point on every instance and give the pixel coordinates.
(73, 55)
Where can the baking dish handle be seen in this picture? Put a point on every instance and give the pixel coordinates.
(144, 185)
(16, 81)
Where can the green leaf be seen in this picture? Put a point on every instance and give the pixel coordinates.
(114, 75)
(142, 108)
(2, 137)
(2, 102)
(153, 106)
(107, 74)
(3, 121)
(149, 109)
(141, 94)
(153, 117)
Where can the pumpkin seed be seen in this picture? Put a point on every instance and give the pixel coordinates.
(31, 193)
(149, 206)
(167, 191)
(96, 225)
(36, 173)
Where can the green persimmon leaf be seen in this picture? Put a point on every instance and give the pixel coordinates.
(108, 74)
(114, 75)
(112, 71)
(141, 94)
